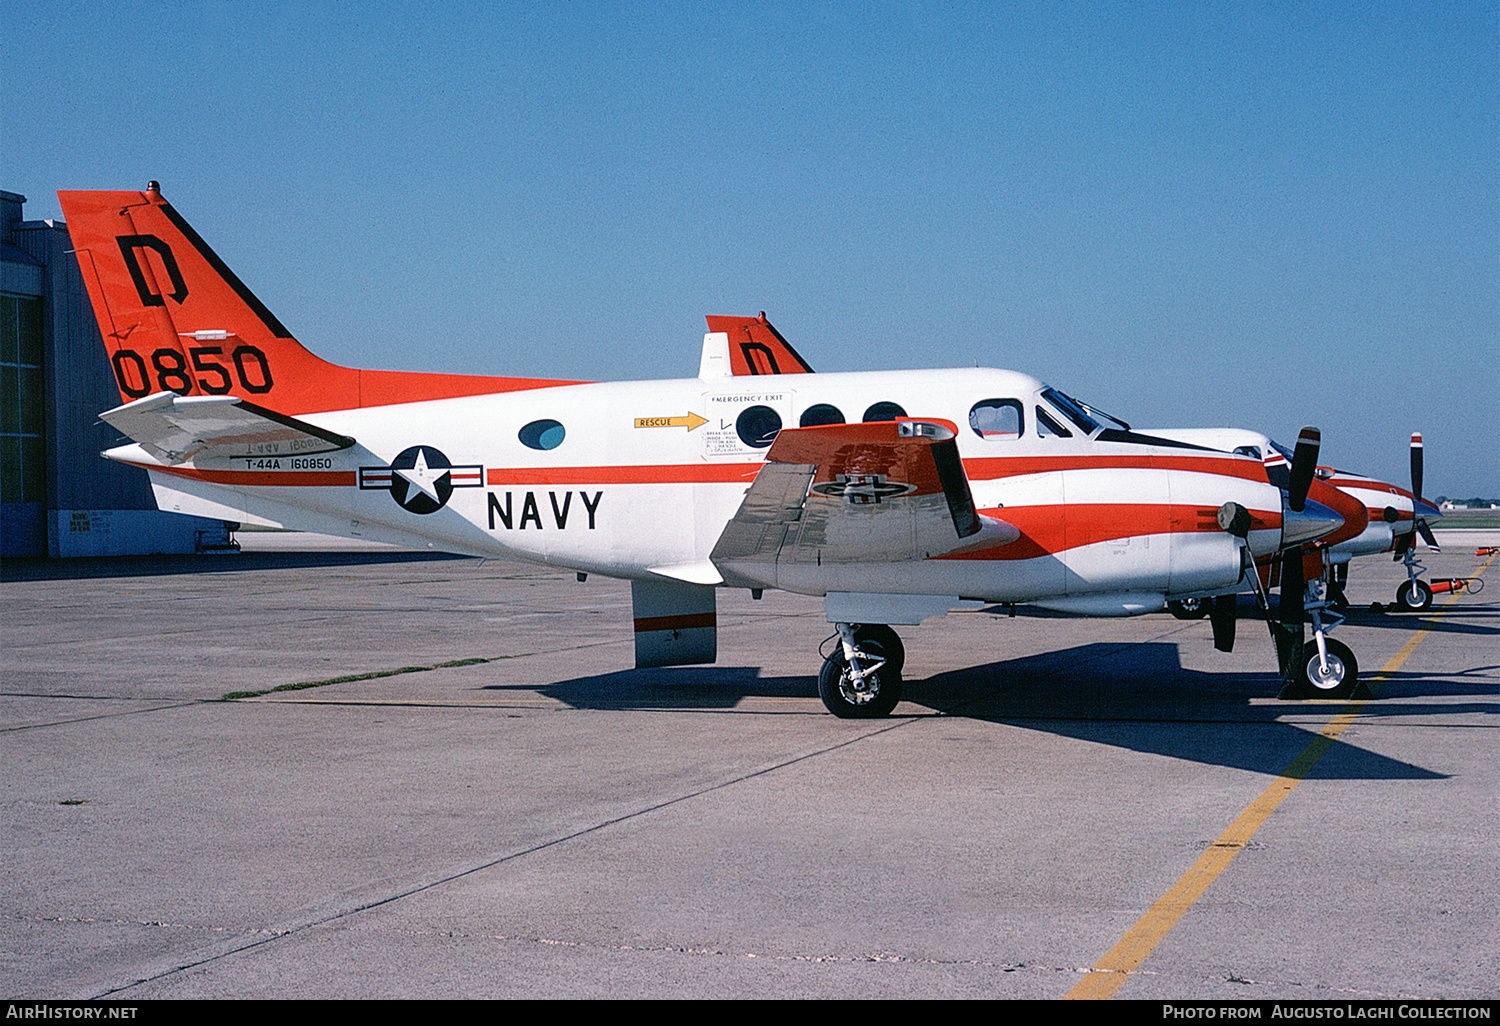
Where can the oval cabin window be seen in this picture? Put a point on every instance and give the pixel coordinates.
(542, 434)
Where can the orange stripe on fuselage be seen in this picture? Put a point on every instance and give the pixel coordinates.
(989, 468)
(1049, 530)
(675, 473)
(263, 478)
(979, 469)
(985, 468)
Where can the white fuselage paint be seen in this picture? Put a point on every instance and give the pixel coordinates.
(618, 499)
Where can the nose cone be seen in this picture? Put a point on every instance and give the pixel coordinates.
(1350, 507)
(1426, 510)
(1315, 521)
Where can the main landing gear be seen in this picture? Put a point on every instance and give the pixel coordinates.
(1189, 609)
(861, 679)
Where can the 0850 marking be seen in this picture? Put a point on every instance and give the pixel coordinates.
(251, 369)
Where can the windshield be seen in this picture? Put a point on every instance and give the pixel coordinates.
(1074, 411)
(1096, 413)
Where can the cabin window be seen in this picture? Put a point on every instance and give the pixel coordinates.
(822, 413)
(757, 426)
(883, 411)
(996, 418)
(542, 434)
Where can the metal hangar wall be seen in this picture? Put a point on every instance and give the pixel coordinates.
(58, 496)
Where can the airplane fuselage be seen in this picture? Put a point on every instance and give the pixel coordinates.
(639, 479)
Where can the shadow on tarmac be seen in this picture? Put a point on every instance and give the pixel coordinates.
(1145, 701)
(16, 570)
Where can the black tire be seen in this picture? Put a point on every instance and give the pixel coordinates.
(884, 638)
(1188, 609)
(1343, 671)
(836, 688)
(1409, 603)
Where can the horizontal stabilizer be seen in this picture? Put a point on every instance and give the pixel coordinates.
(881, 492)
(176, 429)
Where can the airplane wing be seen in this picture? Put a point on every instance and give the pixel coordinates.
(883, 492)
(176, 429)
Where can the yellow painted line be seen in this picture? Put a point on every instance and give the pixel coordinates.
(1111, 971)
(691, 421)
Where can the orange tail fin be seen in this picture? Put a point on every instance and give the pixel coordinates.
(176, 319)
(757, 348)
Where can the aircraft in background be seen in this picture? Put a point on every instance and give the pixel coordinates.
(1395, 519)
(894, 496)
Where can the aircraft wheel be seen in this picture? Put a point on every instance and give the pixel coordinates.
(1410, 600)
(1342, 674)
(879, 696)
(1188, 609)
(887, 640)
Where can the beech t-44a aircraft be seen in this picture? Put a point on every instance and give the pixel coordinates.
(893, 495)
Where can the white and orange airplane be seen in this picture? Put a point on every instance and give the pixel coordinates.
(894, 496)
(1395, 519)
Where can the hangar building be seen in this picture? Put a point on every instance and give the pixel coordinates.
(58, 497)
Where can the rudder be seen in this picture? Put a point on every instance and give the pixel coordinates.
(175, 318)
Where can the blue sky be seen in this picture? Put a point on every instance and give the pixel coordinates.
(1196, 214)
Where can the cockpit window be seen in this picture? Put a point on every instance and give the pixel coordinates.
(1048, 427)
(1068, 408)
(1095, 413)
(996, 418)
(1247, 450)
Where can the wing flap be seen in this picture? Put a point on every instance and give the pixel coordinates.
(176, 429)
(885, 492)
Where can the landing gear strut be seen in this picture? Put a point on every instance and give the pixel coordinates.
(861, 679)
(1414, 595)
(1328, 674)
(1322, 667)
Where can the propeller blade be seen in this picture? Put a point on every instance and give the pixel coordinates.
(1221, 617)
(1416, 465)
(1426, 533)
(1403, 542)
(1292, 586)
(1304, 463)
(1286, 628)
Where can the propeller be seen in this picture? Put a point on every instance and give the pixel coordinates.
(1416, 465)
(1304, 464)
(1287, 630)
(1416, 493)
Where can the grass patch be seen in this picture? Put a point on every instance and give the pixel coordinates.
(351, 677)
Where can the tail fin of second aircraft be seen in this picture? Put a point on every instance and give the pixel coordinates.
(175, 318)
(755, 347)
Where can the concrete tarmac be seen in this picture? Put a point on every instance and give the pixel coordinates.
(535, 819)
